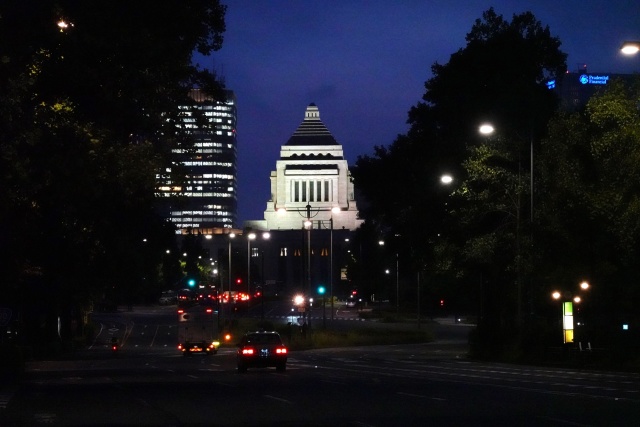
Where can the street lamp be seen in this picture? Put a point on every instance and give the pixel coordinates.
(299, 302)
(231, 237)
(630, 47)
(488, 129)
(250, 237)
(334, 210)
(321, 291)
(567, 310)
(397, 284)
(308, 225)
(446, 179)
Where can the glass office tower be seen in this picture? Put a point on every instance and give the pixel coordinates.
(208, 196)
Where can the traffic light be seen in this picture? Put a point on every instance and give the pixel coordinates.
(321, 290)
(191, 282)
(238, 281)
(441, 303)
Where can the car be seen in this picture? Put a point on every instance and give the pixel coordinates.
(262, 349)
(351, 302)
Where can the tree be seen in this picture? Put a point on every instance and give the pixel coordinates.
(89, 97)
(590, 206)
(499, 77)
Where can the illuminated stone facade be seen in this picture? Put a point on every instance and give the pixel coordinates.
(311, 181)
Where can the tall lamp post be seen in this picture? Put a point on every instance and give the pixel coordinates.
(334, 210)
(230, 236)
(308, 225)
(250, 237)
(487, 129)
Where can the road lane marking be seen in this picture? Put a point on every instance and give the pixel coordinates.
(154, 336)
(279, 399)
(439, 399)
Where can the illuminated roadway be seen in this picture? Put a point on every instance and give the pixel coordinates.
(149, 383)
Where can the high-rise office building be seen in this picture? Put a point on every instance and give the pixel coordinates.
(574, 89)
(208, 196)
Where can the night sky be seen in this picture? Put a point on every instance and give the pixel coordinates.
(364, 64)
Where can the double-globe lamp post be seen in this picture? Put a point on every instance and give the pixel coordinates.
(308, 225)
(567, 310)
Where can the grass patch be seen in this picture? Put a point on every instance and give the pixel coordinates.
(328, 338)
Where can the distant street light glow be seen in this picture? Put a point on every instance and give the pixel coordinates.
(486, 129)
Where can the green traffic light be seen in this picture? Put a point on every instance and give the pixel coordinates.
(191, 282)
(321, 290)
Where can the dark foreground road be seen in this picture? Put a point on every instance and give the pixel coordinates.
(401, 385)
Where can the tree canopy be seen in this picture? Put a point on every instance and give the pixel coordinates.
(504, 254)
(497, 77)
(590, 203)
(89, 97)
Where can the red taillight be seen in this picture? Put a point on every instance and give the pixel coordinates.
(114, 347)
(180, 311)
(247, 351)
(209, 310)
(282, 350)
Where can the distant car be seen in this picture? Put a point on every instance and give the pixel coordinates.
(351, 302)
(262, 349)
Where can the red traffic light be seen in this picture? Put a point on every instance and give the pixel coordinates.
(238, 281)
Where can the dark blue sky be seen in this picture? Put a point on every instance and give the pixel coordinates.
(364, 64)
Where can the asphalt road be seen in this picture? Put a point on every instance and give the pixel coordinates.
(149, 383)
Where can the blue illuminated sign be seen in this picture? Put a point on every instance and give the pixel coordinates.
(588, 79)
(551, 84)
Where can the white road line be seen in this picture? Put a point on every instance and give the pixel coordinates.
(154, 336)
(440, 399)
(278, 399)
